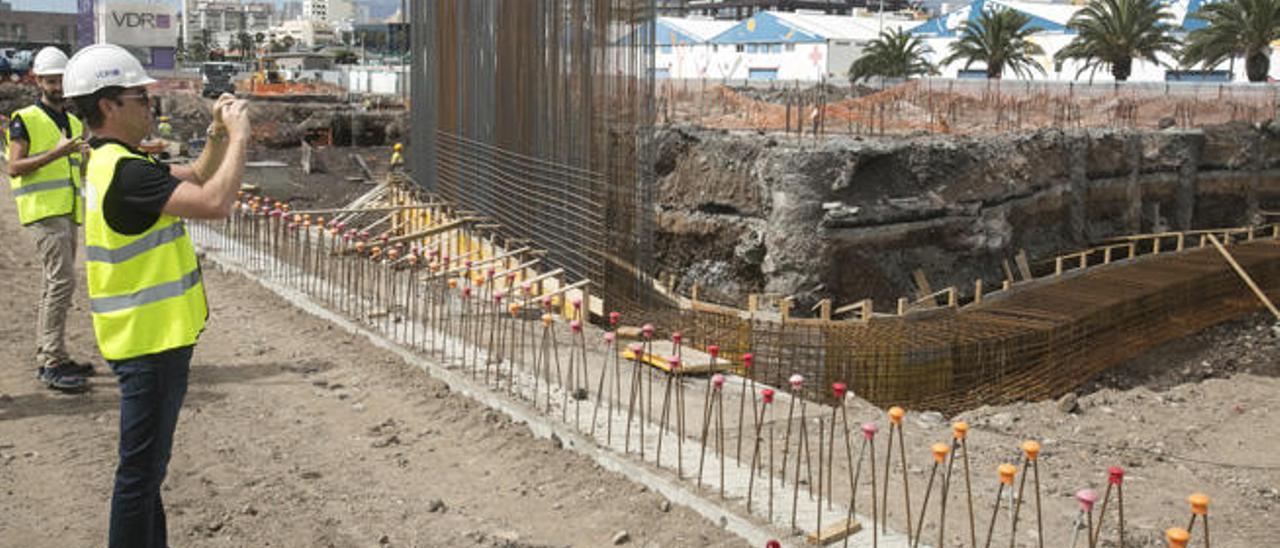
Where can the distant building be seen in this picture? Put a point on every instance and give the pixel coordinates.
(223, 20)
(304, 32)
(329, 11)
(775, 45)
(36, 29)
(290, 10)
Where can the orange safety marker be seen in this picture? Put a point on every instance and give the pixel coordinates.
(939, 451)
(895, 423)
(1177, 537)
(747, 360)
(1030, 460)
(1006, 472)
(1199, 508)
(959, 433)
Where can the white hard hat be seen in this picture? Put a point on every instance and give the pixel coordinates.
(49, 62)
(101, 66)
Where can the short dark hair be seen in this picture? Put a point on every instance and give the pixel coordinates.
(87, 105)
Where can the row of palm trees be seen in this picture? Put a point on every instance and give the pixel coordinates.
(1110, 35)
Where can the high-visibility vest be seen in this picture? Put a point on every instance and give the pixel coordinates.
(145, 291)
(54, 188)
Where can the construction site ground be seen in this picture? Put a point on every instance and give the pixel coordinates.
(296, 433)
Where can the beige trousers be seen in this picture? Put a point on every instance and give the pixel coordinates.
(56, 244)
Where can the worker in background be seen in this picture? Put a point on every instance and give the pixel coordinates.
(397, 158)
(163, 128)
(44, 175)
(146, 293)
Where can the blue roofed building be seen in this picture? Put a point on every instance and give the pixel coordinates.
(773, 45)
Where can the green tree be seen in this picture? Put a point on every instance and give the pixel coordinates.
(244, 42)
(894, 54)
(1112, 33)
(1234, 28)
(1000, 39)
(344, 57)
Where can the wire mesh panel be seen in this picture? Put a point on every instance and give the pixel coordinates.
(538, 114)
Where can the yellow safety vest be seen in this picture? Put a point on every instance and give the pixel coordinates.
(54, 188)
(145, 291)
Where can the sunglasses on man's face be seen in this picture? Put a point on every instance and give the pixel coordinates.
(141, 96)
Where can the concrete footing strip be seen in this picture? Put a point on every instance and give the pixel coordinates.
(540, 426)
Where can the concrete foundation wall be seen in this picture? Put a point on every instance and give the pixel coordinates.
(852, 218)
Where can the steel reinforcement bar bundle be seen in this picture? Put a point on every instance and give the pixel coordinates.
(440, 282)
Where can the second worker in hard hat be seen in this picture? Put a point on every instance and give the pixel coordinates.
(44, 176)
(397, 157)
(146, 292)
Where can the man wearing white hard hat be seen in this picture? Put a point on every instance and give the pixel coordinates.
(146, 293)
(44, 176)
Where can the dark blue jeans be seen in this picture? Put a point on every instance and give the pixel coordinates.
(151, 392)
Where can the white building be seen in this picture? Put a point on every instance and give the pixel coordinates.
(329, 11)
(304, 32)
(682, 46)
(224, 20)
(773, 45)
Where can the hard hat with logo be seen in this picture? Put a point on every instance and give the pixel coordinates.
(49, 62)
(399, 147)
(101, 66)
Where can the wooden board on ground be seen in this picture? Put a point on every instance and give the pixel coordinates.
(693, 362)
(834, 532)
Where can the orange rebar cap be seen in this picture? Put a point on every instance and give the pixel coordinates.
(514, 309)
(547, 319)
(1199, 504)
(1007, 472)
(959, 430)
(940, 452)
(1031, 448)
(895, 414)
(1177, 537)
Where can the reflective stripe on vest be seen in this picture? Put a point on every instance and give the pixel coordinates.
(54, 188)
(145, 291)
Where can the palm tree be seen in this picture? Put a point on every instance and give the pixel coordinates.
(1115, 32)
(895, 54)
(999, 38)
(1235, 28)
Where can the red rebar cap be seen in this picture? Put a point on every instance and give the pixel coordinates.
(613, 318)
(839, 389)
(677, 338)
(577, 303)
(869, 430)
(714, 351)
(636, 349)
(674, 361)
(796, 380)
(747, 360)
(717, 381)
(575, 326)
(647, 330)
(773, 544)
(1115, 475)
(768, 395)
(608, 337)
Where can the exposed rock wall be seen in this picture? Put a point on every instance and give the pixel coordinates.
(852, 218)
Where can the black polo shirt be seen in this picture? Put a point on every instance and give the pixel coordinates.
(18, 129)
(138, 192)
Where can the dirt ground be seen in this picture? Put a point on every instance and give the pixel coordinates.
(295, 433)
(298, 434)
